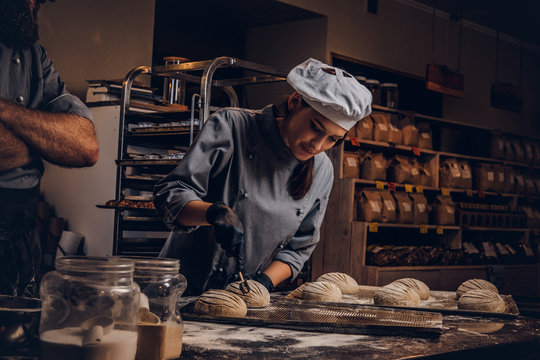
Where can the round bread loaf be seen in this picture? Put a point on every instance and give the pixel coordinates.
(257, 297)
(220, 303)
(344, 282)
(396, 295)
(416, 285)
(322, 291)
(475, 284)
(481, 300)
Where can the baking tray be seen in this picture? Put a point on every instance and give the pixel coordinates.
(443, 302)
(343, 318)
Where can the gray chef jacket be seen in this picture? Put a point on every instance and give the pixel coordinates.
(240, 158)
(28, 78)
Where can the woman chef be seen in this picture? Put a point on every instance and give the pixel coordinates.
(262, 180)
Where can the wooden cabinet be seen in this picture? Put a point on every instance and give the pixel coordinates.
(346, 241)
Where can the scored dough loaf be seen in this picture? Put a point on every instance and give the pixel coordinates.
(482, 300)
(344, 282)
(396, 295)
(257, 297)
(322, 291)
(418, 286)
(220, 303)
(474, 284)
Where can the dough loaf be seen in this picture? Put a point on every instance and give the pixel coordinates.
(322, 291)
(220, 303)
(396, 295)
(416, 285)
(474, 284)
(297, 293)
(482, 300)
(257, 297)
(344, 282)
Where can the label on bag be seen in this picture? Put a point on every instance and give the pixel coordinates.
(528, 250)
(425, 135)
(414, 171)
(407, 207)
(454, 171)
(389, 205)
(365, 125)
(501, 177)
(352, 162)
(465, 173)
(382, 127)
(491, 176)
(450, 209)
(393, 127)
(408, 188)
(421, 207)
(501, 145)
(470, 248)
(373, 227)
(378, 164)
(510, 249)
(519, 179)
(375, 206)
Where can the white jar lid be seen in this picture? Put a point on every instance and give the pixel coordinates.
(372, 81)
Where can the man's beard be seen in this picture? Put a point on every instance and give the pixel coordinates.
(18, 23)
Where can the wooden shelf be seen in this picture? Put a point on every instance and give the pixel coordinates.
(391, 146)
(412, 226)
(486, 228)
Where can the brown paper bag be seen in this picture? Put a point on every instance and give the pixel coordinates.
(389, 207)
(496, 145)
(404, 206)
(425, 136)
(484, 177)
(409, 131)
(421, 209)
(364, 128)
(370, 206)
(394, 134)
(465, 170)
(373, 166)
(399, 170)
(380, 127)
(449, 173)
(351, 167)
(444, 211)
(426, 176)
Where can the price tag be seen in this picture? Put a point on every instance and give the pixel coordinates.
(481, 194)
(423, 229)
(392, 186)
(419, 189)
(408, 188)
(469, 192)
(440, 230)
(354, 141)
(379, 185)
(373, 227)
(416, 151)
(445, 191)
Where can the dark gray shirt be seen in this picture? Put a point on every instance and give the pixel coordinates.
(240, 158)
(28, 78)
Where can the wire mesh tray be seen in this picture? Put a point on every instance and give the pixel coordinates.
(439, 301)
(292, 314)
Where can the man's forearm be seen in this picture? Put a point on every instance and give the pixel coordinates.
(13, 151)
(62, 139)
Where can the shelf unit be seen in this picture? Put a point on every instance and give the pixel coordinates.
(345, 240)
(147, 128)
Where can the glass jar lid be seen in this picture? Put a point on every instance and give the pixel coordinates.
(372, 81)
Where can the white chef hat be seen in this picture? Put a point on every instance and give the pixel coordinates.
(331, 91)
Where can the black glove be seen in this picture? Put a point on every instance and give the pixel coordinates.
(264, 280)
(228, 231)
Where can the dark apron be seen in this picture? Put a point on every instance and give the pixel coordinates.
(20, 248)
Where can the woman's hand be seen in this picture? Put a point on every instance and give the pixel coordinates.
(228, 230)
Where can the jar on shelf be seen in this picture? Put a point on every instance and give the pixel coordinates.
(174, 90)
(374, 87)
(160, 324)
(89, 310)
(361, 80)
(390, 95)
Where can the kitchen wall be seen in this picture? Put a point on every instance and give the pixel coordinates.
(97, 39)
(93, 39)
(399, 37)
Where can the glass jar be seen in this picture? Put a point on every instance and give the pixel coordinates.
(390, 95)
(89, 309)
(160, 324)
(373, 86)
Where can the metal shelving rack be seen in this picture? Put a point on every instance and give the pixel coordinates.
(129, 218)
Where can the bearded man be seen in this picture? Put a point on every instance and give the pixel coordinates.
(39, 119)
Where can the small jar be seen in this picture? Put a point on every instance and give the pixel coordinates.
(390, 95)
(361, 80)
(174, 90)
(89, 310)
(373, 86)
(160, 324)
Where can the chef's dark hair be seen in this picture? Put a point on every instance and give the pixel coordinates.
(302, 176)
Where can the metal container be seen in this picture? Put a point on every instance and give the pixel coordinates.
(174, 90)
(374, 87)
(19, 320)
(390, 95)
